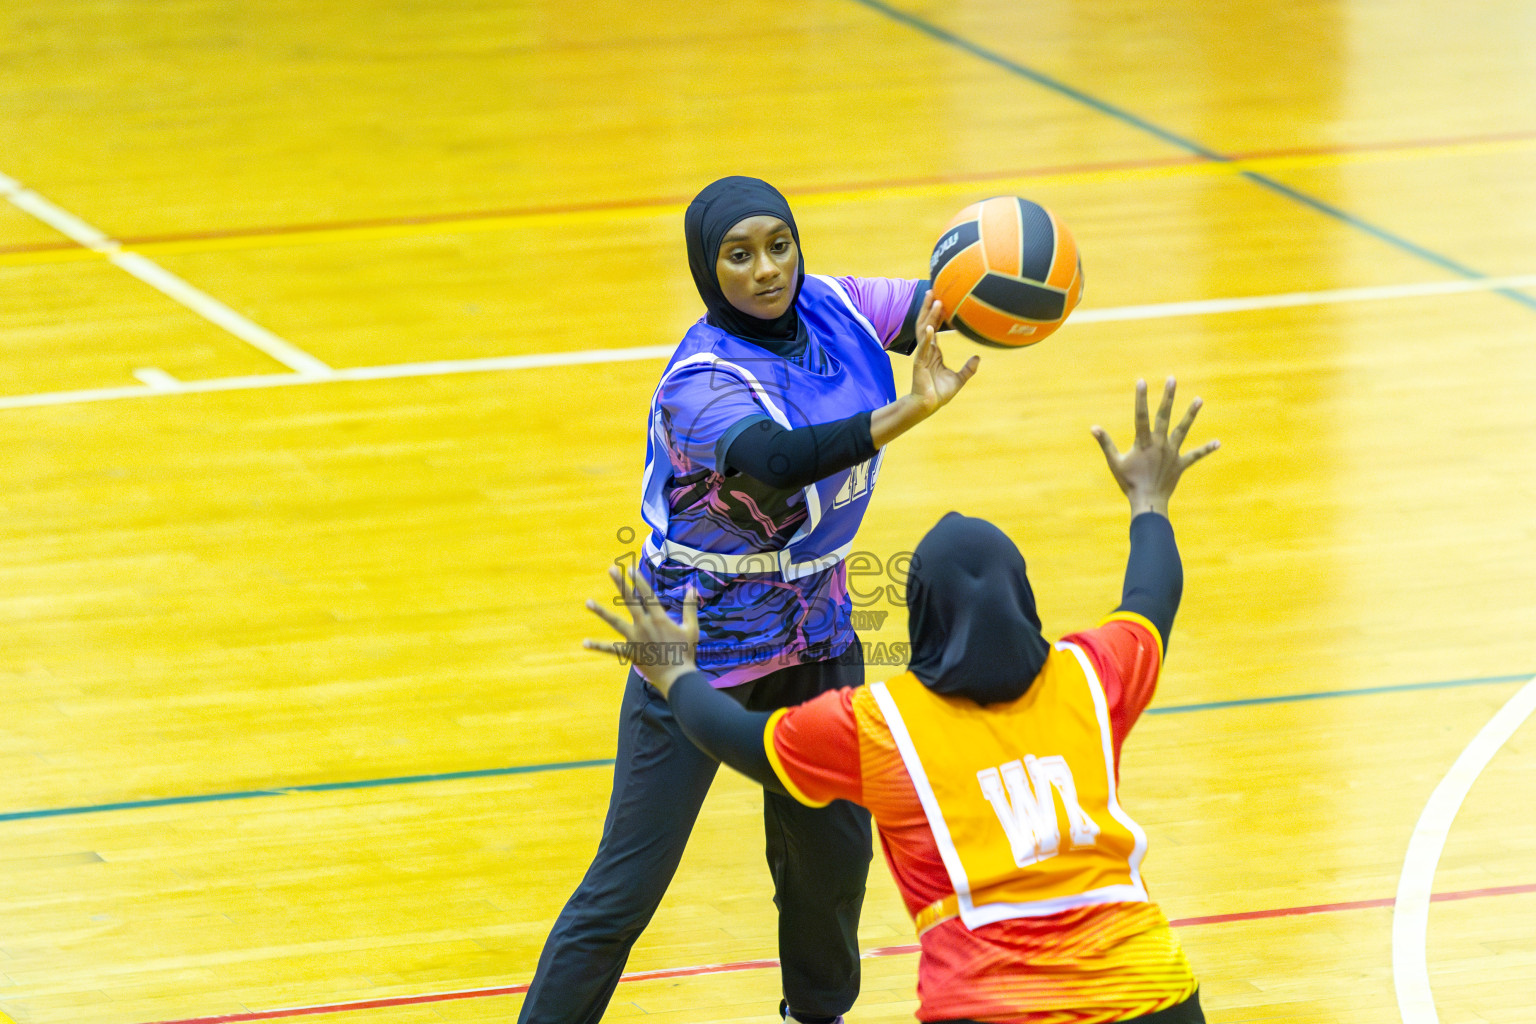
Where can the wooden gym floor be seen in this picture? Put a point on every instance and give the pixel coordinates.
(328, 332)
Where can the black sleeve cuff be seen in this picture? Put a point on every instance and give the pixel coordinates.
(723, 729)
(723, 446)
(1154, 574)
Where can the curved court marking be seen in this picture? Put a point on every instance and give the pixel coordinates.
(158, 278)
(163, 383)
(1410, 911)
(766, 964)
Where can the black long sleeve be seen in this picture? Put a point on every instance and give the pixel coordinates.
(723, 729)
(1154, 574)
(779, 457)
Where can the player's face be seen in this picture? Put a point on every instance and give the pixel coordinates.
(758, 265)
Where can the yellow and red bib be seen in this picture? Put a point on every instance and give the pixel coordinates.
(1020, 796)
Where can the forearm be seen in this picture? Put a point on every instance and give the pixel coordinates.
(891, 421)
(780, 457)
(1154, 573)
(768, 452)
(722, 728)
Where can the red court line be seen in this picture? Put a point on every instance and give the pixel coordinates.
(279, 230)
(755, 965)
(596, 207)
(1384, 147)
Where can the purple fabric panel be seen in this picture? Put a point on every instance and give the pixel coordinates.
(884, 301)
(700, 403)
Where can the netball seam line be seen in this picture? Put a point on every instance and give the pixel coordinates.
(164, 384)
(1410, 907)
(157, 277)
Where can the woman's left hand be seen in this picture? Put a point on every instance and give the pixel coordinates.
(933, 383)
(660, 649)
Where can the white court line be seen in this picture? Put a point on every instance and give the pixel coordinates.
(1337, 295)
(164, 384)
(160, 279)
(1410, 911)
(157, 378)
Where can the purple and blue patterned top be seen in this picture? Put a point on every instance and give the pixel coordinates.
(767, 562)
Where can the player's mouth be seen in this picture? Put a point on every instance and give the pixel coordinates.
(771, 293)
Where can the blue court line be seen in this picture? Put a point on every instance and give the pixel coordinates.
(1188, 145)
(1291, 698)
(318, 787)
(603, 762)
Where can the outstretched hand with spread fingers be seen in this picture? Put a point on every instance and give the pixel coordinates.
(933, 383)
(660, 648)
(1150, 469)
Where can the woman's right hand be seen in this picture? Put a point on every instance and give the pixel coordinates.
(1150, 469)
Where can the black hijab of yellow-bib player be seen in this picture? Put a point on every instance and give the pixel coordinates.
(971, 613)
(714, 211)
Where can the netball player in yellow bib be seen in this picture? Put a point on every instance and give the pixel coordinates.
(991, 766)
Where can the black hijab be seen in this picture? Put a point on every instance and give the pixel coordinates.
(971, 613)
(721, 206)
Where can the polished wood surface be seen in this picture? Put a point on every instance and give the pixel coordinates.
(297, 715)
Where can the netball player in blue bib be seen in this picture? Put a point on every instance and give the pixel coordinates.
(766, 433)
